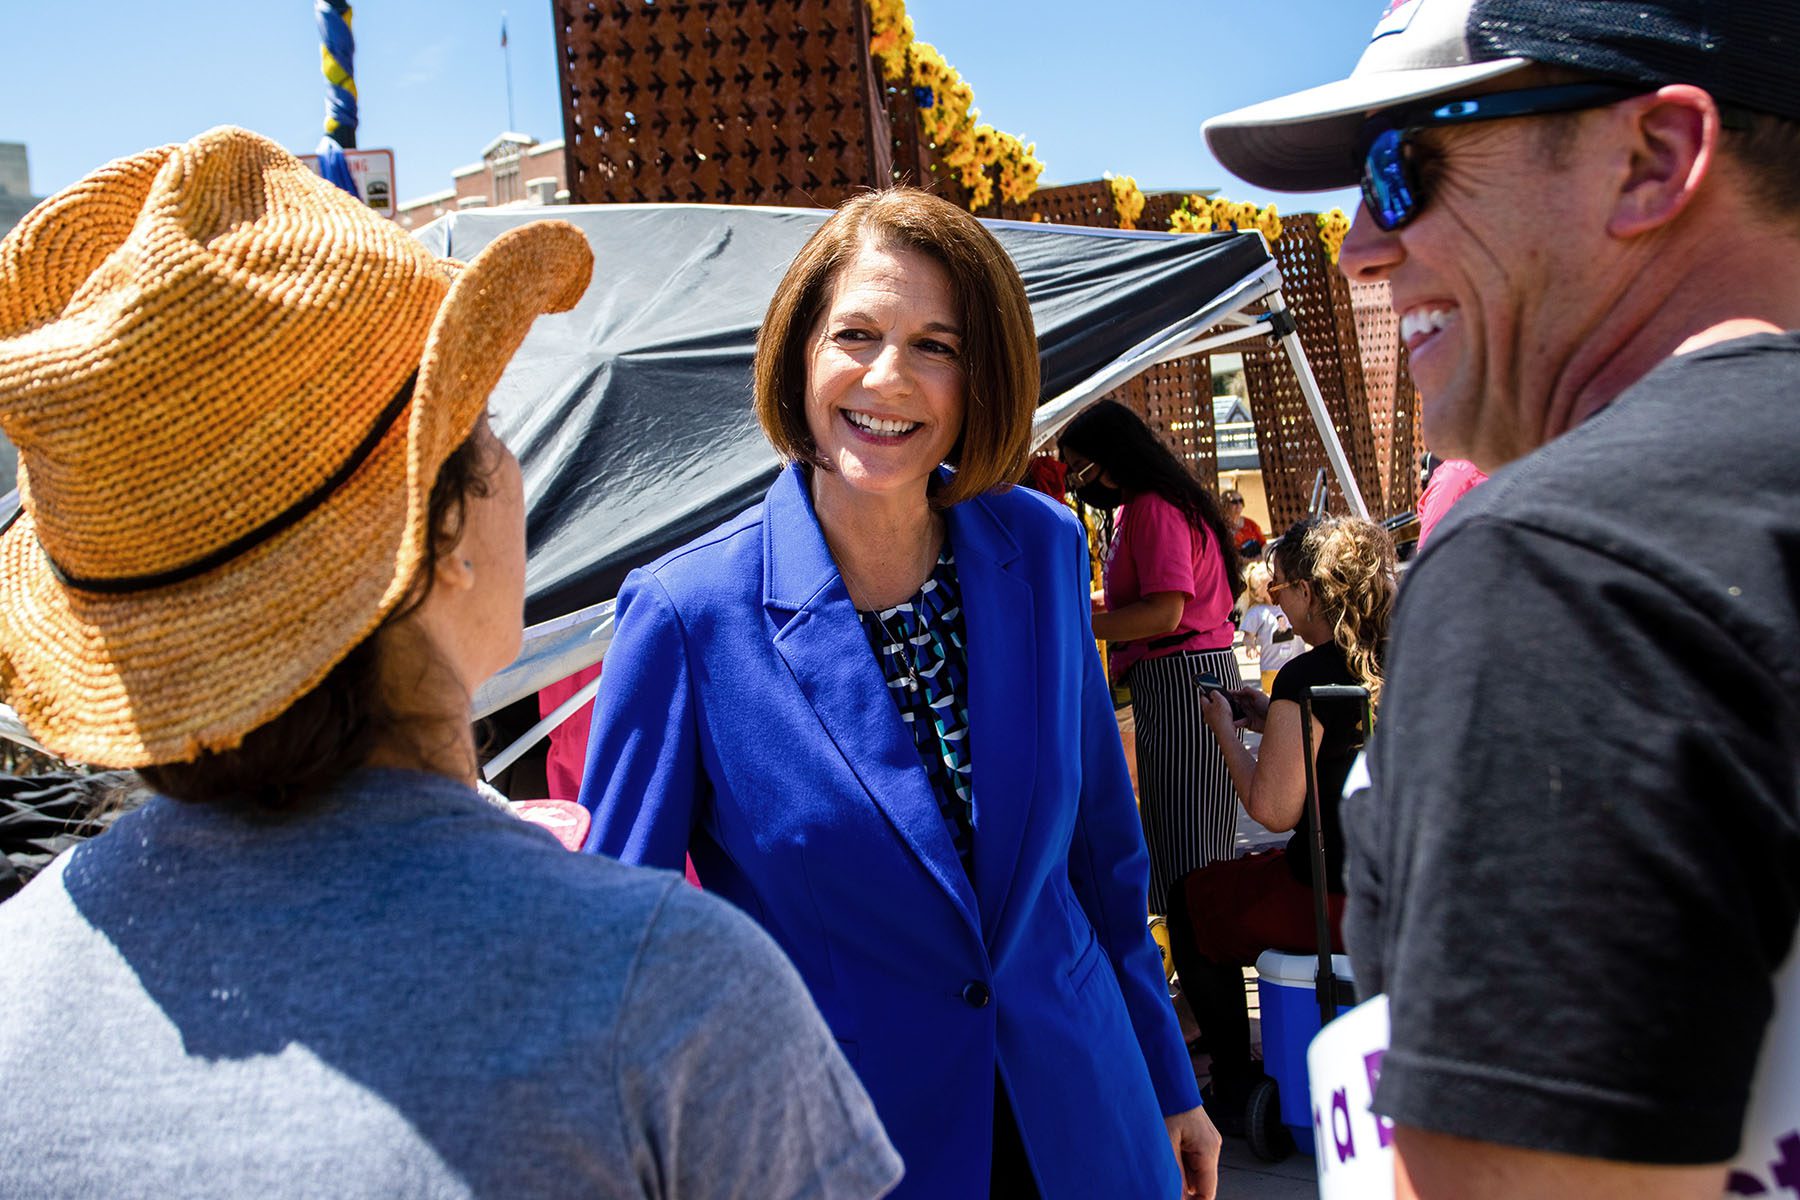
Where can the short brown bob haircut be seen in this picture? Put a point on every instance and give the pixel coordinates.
(999, 344)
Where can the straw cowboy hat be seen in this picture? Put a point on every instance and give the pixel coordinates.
(205, 359)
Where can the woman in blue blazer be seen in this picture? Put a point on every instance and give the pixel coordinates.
(871, 711)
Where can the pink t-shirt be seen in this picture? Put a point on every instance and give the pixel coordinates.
(1156, 550)
(1454, 479)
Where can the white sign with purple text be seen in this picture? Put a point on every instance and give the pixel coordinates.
(1355, 1154)
(1768, 1161)
(1353, 1148)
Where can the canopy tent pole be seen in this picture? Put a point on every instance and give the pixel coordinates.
(1059, 410)
(1209, 344)
(1278, 324)
(541, 730)
(1282, 322)
(13, 730)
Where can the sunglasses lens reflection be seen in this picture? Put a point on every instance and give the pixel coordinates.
(1385, 186)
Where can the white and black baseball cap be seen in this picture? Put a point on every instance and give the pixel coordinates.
(1746, 53)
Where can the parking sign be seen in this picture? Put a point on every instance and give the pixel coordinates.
(373, 171)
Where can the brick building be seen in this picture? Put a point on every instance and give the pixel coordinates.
(515, 168)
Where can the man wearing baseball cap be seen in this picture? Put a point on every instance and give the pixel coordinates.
(1577, 875)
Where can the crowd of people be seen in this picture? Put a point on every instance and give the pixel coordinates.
(268, 547)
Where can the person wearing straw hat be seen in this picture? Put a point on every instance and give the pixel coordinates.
(266, 550)
(1577, 875)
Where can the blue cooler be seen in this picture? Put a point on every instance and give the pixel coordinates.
(1290, 1019)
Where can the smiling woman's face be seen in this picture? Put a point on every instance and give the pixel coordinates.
(885, 383)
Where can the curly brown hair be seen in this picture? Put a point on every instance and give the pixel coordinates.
(1350, 564)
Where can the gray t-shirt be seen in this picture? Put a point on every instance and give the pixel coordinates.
(405, 992)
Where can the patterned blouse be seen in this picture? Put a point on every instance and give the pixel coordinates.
(919, 644)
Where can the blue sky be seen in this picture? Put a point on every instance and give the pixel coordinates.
(1101, 85)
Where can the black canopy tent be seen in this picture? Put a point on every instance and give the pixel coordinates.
(631, 413)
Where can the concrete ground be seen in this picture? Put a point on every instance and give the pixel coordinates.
(1243, 1176)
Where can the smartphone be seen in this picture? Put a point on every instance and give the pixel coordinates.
(1209, 683)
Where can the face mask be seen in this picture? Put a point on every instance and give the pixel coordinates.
(1098, 495)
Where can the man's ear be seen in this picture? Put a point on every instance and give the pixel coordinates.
(1675, 134)
(454, 571)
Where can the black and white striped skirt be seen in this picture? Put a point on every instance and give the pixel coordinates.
(1185, 796)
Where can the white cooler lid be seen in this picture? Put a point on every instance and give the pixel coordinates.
(1299, 970)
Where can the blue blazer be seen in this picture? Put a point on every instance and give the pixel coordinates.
(743, 718)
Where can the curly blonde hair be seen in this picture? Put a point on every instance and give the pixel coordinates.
(1350, 564)
(1256, 583)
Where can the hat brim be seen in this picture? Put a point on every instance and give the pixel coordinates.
(1306, 141)
(166, 675)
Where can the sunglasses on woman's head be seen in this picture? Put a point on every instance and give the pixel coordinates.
(1080, 475)
(1390, 184)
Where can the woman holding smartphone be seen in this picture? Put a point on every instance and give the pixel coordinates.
(1334, 580)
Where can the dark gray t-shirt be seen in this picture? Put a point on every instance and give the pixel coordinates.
(405, 993)
(1580, 864)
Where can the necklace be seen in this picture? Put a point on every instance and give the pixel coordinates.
(912, 673)
(872, 561)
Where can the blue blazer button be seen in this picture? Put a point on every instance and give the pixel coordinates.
(976, 994)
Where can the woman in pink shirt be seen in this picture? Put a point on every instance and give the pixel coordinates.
(1172, 576)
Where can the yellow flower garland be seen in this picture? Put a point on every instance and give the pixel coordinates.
(989, 162)
(1128, 199)
(1198, 214)
(1333, 226)
(948, 117)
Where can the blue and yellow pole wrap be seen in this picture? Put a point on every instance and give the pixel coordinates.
(337, 55)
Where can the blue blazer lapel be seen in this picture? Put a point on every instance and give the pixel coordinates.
(1003, 703)
(821, 639)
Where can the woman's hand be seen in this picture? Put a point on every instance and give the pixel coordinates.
(1196, 1146)
(1255, 704)
(1216, 710)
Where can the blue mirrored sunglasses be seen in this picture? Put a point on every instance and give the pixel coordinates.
(1390, 185)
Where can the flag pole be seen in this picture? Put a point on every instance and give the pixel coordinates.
(337, 55)
(511, 124)
(337, 52)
